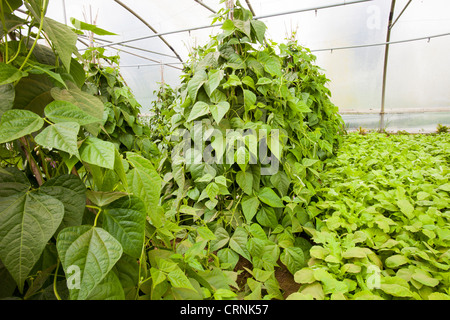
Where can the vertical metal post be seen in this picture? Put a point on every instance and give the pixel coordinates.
(386, 58)
(64, 11)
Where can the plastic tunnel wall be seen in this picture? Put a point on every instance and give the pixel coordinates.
(349, 39)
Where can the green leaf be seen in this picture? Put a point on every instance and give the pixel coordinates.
(98, 152)
(304, 275)
(249, 98)
(406, 207)
(249, 207)
(63, 38)
(89, 27)
(109, 288)
(33, 93)
(272, 64)
(125, 220)
(212, 190)
(214, 79)
(425, 279)
(197, 81)
(395, 261)
(157, 276)
(103, 198)
(55, 76)
(61, 136)
(354, 253)
(229, 257)
(92, 251)
(8, 94)
(266, 217)
(243, 26)
(9, 73)
(245, 181)
(293, 258)
(396, 287)
(27, 222)
(178, 279)
(238, 242)
(12, 182)
(199, 109)
(222, 238)
(269, 197)
(218, 111)
(88, 103)
(281, 181)
(18, 123)
(71, 191)
(260, 29)
(145, 182)
(63, 111)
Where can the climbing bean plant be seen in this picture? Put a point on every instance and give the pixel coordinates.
(241, 93)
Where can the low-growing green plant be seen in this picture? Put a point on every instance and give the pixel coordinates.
(442, 129)
(381, 221)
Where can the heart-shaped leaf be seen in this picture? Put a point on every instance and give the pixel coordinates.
(18, 123)
(27, 221)
(91, 253)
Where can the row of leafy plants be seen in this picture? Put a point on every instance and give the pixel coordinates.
(381, 221)
(96, 205)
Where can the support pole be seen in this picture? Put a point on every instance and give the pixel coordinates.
(386, 58)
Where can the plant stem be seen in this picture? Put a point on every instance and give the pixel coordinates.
(5, 30)
(34, 167)
(54, 281)
(41, 25)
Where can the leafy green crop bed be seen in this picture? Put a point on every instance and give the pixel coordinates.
(382, 221)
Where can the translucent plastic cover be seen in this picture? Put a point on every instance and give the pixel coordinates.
(348, 37)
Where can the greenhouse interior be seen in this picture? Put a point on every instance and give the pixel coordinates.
(224, 150)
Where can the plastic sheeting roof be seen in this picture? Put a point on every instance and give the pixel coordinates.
(346, 36)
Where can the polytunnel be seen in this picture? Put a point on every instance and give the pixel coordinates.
(250, 151)
(387, 60)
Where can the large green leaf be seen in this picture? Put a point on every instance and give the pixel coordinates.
(238, 242)
(109, 288)
(90, 27)
(7, 101)
(71, 191)
(271, 63)
(88, 103)
(249, 207)
(125, 220)
(214, 79)
(293, 258)
(12, 181)
(90, 250)
(61, 136)
(260, 29)
(219, 110)
(196, 83)
(199, 109)
(245, 181)
(98, 152)
(63, 38)
(33, 93)
(63, 111)
(9, 73)
(18, 123)
(268, 196)
(145, 182)
(27, 221)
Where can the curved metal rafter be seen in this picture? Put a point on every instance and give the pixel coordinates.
(150, 27)
(200, 2)
(256, 17)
